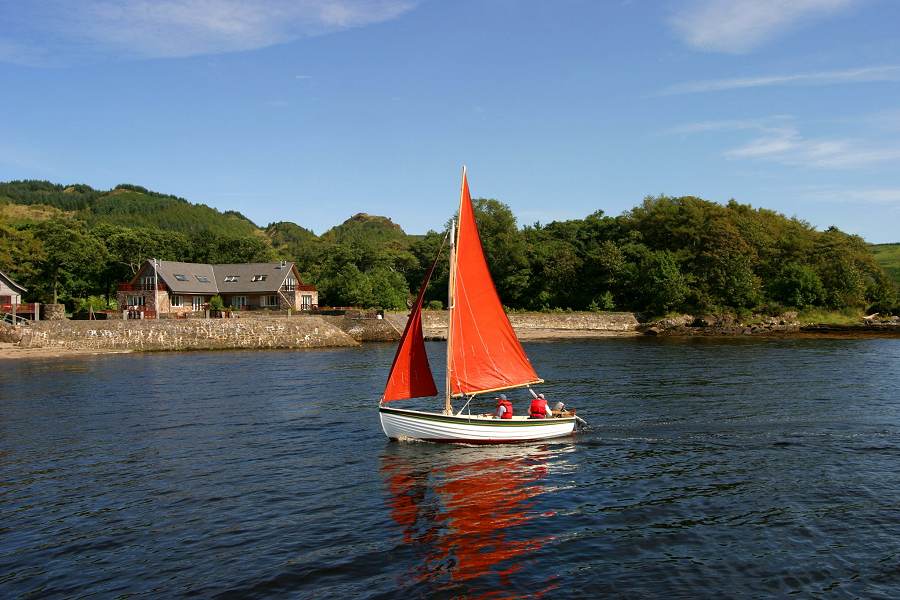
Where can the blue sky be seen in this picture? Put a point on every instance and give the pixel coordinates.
(311, 111)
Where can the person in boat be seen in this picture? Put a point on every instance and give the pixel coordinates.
(504, 408)
(540, 409)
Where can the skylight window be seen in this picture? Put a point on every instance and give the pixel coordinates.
(181, 277)
(258, 278)
(202, 278)
(231, 278)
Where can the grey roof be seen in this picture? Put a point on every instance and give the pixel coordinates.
(274, 275)
(12, 284)
(168, 271)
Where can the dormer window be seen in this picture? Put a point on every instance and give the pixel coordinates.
(258, 278)
(231, 278)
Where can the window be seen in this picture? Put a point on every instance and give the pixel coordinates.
(177, 302)
(231, 278)
(268, 301)
(135, 300)
(202, 278)
(290, 284)
(181, 277)
(198, 303)
(306, 302)
(238, 301)
(258, 278)
(147, 282)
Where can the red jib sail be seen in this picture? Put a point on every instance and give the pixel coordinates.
(410, 375)
(485, 354)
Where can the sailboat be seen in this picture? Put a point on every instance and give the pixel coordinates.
(483, 356)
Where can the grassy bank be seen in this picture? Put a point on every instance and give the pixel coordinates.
(888, 258)
(821, 316)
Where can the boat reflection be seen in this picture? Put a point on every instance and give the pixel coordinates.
(468, 514)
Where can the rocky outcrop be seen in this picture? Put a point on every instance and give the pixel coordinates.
(723, 324)
(10, 334)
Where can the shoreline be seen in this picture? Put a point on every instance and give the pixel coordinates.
(10, 351)
(13, 351)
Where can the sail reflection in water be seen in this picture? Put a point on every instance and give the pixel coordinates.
(468, 515)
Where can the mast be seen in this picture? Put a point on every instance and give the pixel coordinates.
(448, 407)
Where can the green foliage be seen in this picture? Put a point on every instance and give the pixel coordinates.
(888, 258)
(72, 260)
(660, 285)
(366, 229)
(667, 254)
(216, 303)
(129, 206)
(207, 247)
(602, 302)
(798, 285)
(84, 305)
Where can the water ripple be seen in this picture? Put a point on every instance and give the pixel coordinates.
(738, 468)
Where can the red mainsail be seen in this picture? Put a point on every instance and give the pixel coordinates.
(410, 375)
(485, 354)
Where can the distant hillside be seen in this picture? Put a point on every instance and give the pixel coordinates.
(19, 214)
(888, 258)
(286, 233)
(130, 206)
(362, 228)
(296, 242)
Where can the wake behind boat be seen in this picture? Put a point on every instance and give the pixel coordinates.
(483, 356)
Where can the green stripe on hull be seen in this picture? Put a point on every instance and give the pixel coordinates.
(482, 422)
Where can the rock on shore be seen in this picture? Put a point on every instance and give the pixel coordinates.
(725, 324)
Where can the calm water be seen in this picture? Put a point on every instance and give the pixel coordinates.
(738, 468)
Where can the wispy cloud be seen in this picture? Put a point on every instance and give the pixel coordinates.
(879, 196)
(738, 26)
(63, 31)
(859, 75)
(789, 147)
(778, 139)
(729, 125)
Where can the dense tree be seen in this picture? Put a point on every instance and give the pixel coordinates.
(797, 285)
(72, 260)
(666, 254)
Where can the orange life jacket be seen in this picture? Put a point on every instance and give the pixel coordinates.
(508, 406)
(538, 408)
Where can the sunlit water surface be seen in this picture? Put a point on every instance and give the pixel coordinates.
(731, 468)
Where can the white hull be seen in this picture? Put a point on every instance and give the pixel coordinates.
(419, 425)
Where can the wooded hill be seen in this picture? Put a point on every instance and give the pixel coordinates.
(665, 254)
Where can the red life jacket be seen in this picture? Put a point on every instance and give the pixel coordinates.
(508, 406)
(538, 408)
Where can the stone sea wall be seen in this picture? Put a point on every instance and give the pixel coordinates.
(367, 329)
(534, 325)
(183, 334)
(261, 331)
